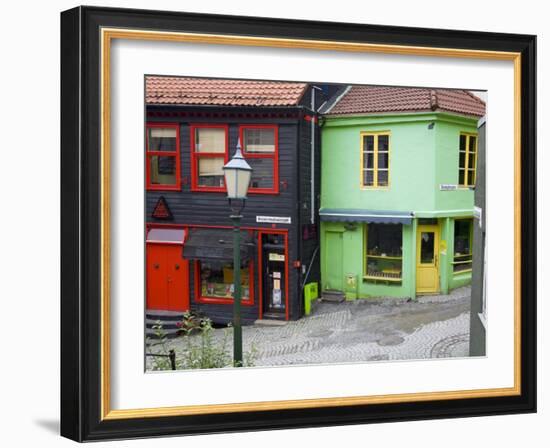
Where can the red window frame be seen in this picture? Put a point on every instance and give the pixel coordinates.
(199, 298)
(274, 156)
(195, 156)
(176, 154)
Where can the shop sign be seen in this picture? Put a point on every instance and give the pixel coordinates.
(274, 219)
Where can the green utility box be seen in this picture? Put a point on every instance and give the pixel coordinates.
(350, 287)
(311, 292)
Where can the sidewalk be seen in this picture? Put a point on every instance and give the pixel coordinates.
(364, 330)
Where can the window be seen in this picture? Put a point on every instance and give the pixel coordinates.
(260, 148)
(467, 160)
(375, 159)
(163, 157)
(383, 252)
(208, 156)
(462, 261)
(215, 282)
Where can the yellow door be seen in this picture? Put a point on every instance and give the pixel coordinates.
(427, 259)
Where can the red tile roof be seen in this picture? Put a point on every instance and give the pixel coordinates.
(221, 92)
(372, 99)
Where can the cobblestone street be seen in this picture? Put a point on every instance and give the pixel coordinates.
(363, 330)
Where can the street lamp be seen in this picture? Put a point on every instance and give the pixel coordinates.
(237, 179)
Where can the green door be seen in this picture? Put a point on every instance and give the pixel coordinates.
(333, 261)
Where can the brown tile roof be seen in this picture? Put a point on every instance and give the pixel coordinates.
(221, 92)
(372, 99)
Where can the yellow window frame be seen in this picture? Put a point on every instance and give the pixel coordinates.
(468, 136)
(375, 159)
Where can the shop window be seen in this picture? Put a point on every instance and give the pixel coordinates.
(383, 252)
(467, 160)
(215, 282)
(208, 156)
(260, 148)
(162, 154)
(375, 159)
(462, 261)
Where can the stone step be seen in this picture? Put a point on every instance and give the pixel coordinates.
(330, 295)
(164, 315)
(270, 322)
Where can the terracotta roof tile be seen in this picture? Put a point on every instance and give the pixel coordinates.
(372, 99)
(221, 92)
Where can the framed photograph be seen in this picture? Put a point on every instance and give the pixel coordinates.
(274, 223)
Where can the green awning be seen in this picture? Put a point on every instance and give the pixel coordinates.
(370, 216)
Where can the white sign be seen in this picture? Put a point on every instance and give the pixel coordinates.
(478, 213)
(448, 187)
(274, 219)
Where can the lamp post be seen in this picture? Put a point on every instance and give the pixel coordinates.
(237, 179)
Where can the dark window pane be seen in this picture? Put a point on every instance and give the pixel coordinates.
(262, 172)
(462, 159)
(383, 159)
(385, 239)
(471, 160)
(462, 236)
(162, 170)
(471, 177)
(368, 143)
(427, 248)
(461, 177)
(217, 280)
(384, 251)
(210, 171)
(368, 177)
(463, 143)
(472, 145)
(162, 139)
(259, 140)
(382, 178)
(383, 142)
(368, 160)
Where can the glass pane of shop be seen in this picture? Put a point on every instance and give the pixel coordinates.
(162, 170)
(162, 139)
(427, 243)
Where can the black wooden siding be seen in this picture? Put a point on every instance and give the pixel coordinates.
(211, 208)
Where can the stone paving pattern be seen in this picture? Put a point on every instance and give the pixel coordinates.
(363, 331)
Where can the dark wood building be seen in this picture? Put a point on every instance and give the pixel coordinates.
(193, 128)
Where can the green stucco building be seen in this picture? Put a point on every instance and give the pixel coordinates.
(397, 191)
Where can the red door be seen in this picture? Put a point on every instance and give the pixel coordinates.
(167, 278)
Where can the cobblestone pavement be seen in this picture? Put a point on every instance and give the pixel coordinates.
(364, 330)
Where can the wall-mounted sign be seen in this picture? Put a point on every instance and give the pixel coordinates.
(448, 187)
(274, 219)
(276, 257)
(161, 210)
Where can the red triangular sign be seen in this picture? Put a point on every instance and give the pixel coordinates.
(161, 210)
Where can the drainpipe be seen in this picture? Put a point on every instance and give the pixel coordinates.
(312, 177)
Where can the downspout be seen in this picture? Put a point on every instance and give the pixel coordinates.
(312, 158)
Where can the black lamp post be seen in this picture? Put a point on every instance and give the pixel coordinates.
(237, 179)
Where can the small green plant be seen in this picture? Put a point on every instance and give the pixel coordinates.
(189, 323)
(159, 348)
(205, 351)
